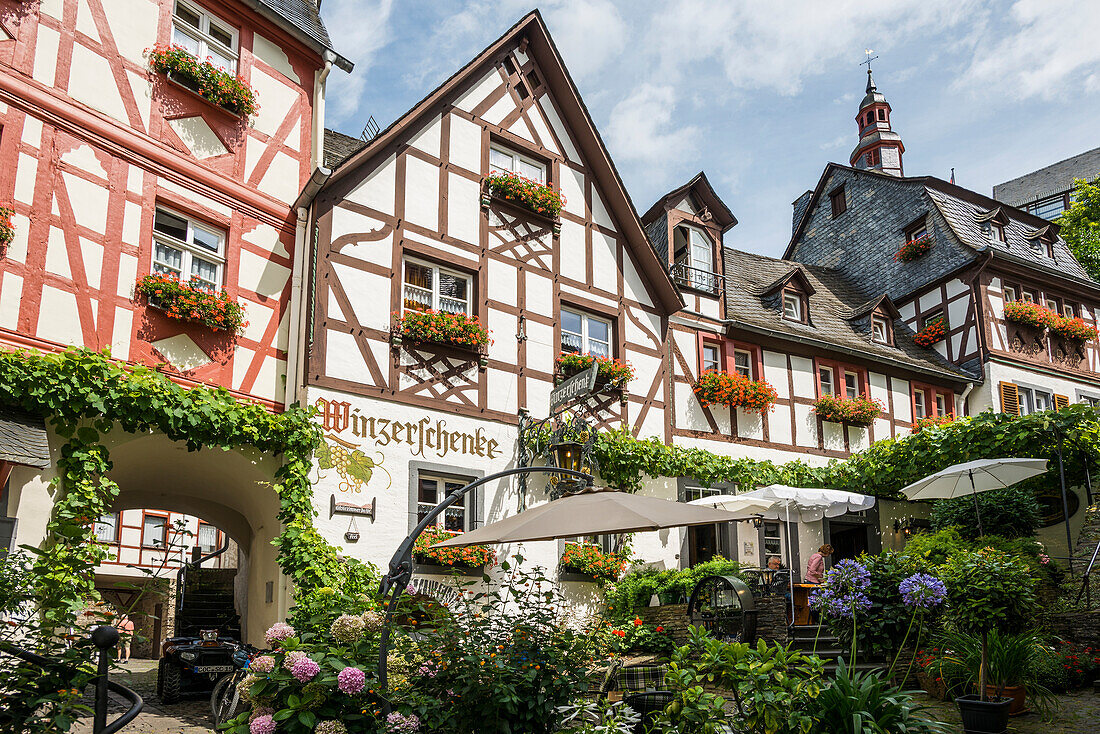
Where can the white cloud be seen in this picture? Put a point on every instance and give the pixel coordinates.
(1047, 49)
(640, 129)
(359, 29)
(837, 142)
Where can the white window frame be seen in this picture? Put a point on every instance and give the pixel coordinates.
(584, 335)
(1029, 399)
(441, 489)
(112, 519)
(1052, 304)
(1009, 294)
(709, 364)
(748, 362)
(202, 34)
(776, 538)
(1086, 399)
(198, 537)
(848, 387)
(882, 323)
(1027, 297)
(941, 404)
(792, 306)
(822, 370)
(145, 541)
(920, 405)
(189, 250)
(997, 232)
(1069, 311)
(435, 294)
(516, 159)
(699, 241)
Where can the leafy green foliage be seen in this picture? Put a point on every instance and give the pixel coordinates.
(1014, 660)
(988, 589)
(882, 627)
(865, 703)
(637, 636)
(935, 548)
(1067, 666)
(1081, 225)
(1013, 512)
(636, 589)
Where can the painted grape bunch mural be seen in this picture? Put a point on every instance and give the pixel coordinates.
(352, 465)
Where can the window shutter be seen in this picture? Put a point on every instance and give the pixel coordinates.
(1060, 401)
(1010, 399)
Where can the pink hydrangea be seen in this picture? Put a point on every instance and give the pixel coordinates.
(304, 670)
(278, 632)
(397, 723)
(351, 681)
(331, 727)
(259, 711)
(262, 725)
(292, 658)
(262, 664)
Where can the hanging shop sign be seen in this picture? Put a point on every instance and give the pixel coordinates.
(426, 437)
(579, 385)
(340, 507)
(442, 592)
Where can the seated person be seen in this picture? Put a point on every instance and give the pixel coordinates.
(779, 576)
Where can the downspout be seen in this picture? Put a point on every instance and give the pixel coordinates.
(318, 131)
(302, 248)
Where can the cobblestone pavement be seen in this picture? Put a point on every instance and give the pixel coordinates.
(189, 716)
(1077, 713)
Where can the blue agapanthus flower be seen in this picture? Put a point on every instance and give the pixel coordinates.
(923, 591)
(842, 592)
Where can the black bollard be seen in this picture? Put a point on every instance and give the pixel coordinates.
(104, 637)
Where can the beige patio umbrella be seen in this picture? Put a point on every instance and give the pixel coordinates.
(591, 512)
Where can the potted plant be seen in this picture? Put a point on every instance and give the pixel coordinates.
(192, 301)
(1074, 329)
(589, 561)
(858, 411)
(7, 229)
(439, 327)
(933, 332)
(987, 590)
(1029, 314)
(735, 390)
(218, 87)
(914, 248)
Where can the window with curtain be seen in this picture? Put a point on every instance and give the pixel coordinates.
(428, 287)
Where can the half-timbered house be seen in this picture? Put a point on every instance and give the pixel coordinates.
(119, 166)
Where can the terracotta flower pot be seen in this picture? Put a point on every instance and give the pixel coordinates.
(1016, 693)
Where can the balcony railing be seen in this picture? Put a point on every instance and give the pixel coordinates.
(696, 279)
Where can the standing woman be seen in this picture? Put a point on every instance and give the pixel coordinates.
(126, 630)
(815, 567)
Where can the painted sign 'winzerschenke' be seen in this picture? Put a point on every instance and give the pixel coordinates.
(424, 436)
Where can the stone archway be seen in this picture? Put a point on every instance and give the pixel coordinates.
(232, 489)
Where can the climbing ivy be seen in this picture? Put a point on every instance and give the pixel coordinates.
(85, 394)
(883, 468)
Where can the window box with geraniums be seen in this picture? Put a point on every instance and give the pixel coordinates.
(439, 327)
(860, 411)
(933, 332)
(611, 372)
(193, 301)
(591, 563)
(1029, 314)
(533, 196)
(216, 86)
(932, 421)
(1074, 329)
(7, 229)
(470, 558)
(914, 248)
(736, 391)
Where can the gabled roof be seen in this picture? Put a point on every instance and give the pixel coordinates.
(795, 272)
(340, 147)
(541, 47)
(835, 304)
(302, 18)
(882, 302)
(1049, 180)
(963, 211)
(701, 188)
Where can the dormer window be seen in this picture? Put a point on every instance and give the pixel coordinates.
(997, 231)
(880, 329)
(792, 306)
(693, 250)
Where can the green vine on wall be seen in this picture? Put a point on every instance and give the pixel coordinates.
(883, 468)
(85, 394)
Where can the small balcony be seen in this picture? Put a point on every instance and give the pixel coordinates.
(698, 280)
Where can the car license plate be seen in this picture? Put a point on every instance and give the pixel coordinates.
(213, 668)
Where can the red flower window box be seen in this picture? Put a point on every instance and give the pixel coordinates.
(1029, 314)
(591, 561)
(915, 248)
(736, 391)
(193, 302)
(439, 327)
(214, 85)
(933, 332)
(474, 556)
(860, 411)
(7, 228)
(610, 371)
(531, 195)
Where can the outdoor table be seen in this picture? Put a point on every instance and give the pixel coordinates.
(802, 604)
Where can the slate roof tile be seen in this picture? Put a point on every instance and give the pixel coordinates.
(23, 439)
(1049, 180)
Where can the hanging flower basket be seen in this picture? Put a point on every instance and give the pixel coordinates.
(933, 332)
(473, 556)
(737, 391)
(193, 302)
(610, 371)
(1029, 314)
(216, 86)
(588, 559)
(860, 411)
(1075, 329)
(532, 195)
(915, 248)
(439, 327)
(7, 229)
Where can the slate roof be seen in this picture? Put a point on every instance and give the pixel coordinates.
(835, 309)
(1054, 179)
(23, 439)
(303, 17)
(964, 215)
(340, 147)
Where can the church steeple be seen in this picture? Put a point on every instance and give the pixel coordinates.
(879, 147)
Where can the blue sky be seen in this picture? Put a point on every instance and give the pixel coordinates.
(761, 95)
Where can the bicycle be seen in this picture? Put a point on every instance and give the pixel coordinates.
(225, 701)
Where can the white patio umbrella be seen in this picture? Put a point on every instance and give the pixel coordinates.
(972, 477)
(801, 504)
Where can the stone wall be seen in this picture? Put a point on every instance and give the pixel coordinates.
(673, 617)
(771, 619)
(1080, 627)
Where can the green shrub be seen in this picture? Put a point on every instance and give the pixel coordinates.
(866, 703)
(935, 548)
(1067, 666)
(1012, 512)
(988, 589)
(635, 590)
